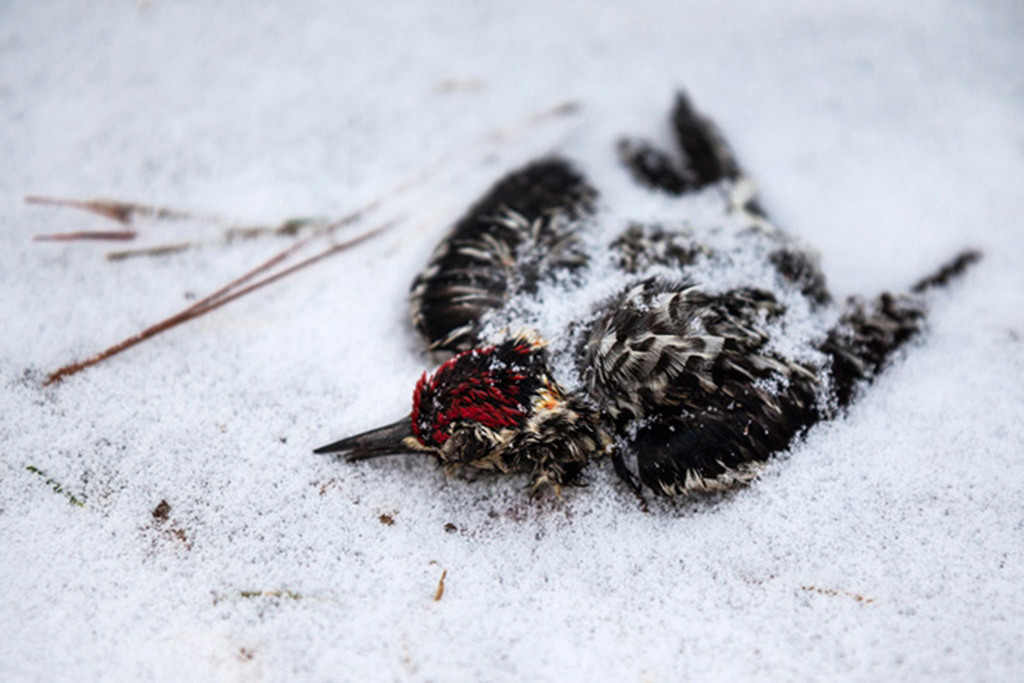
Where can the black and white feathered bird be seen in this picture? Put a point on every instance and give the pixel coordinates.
(689, 348)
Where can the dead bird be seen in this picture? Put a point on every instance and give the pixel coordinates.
(719, 345)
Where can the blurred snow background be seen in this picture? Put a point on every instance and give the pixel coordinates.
(887, 545)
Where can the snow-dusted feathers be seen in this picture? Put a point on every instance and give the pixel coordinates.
(690, 344)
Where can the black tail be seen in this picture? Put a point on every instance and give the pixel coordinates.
(870, 332)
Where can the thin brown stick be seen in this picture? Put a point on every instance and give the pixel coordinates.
(159, 250)
(305, 263)
(122, 212)
(101, 235)
(289, 228)
(281, 256)
(126, 212)
(204, 306)
(538, 117)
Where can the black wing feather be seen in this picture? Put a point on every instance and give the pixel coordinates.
(515, 235)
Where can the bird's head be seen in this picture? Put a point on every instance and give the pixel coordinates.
(495, 408)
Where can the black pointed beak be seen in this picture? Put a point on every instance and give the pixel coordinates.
(388, 440)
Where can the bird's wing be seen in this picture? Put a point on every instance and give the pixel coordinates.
(522, 230)
(695, 396)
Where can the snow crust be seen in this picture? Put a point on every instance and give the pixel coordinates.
(162, 516)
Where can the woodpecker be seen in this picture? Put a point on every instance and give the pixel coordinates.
(688, 349)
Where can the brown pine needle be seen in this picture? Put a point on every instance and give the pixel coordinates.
(207, 304)
(439, 593)
(160, 250)
(283, 255)
(122, 212)
(231, 291)
(125, 211)
(289, 228)
(111, 235)
(536, 118)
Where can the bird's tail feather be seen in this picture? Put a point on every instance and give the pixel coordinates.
(869, 332)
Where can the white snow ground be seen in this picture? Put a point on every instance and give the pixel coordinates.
(888, 545)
